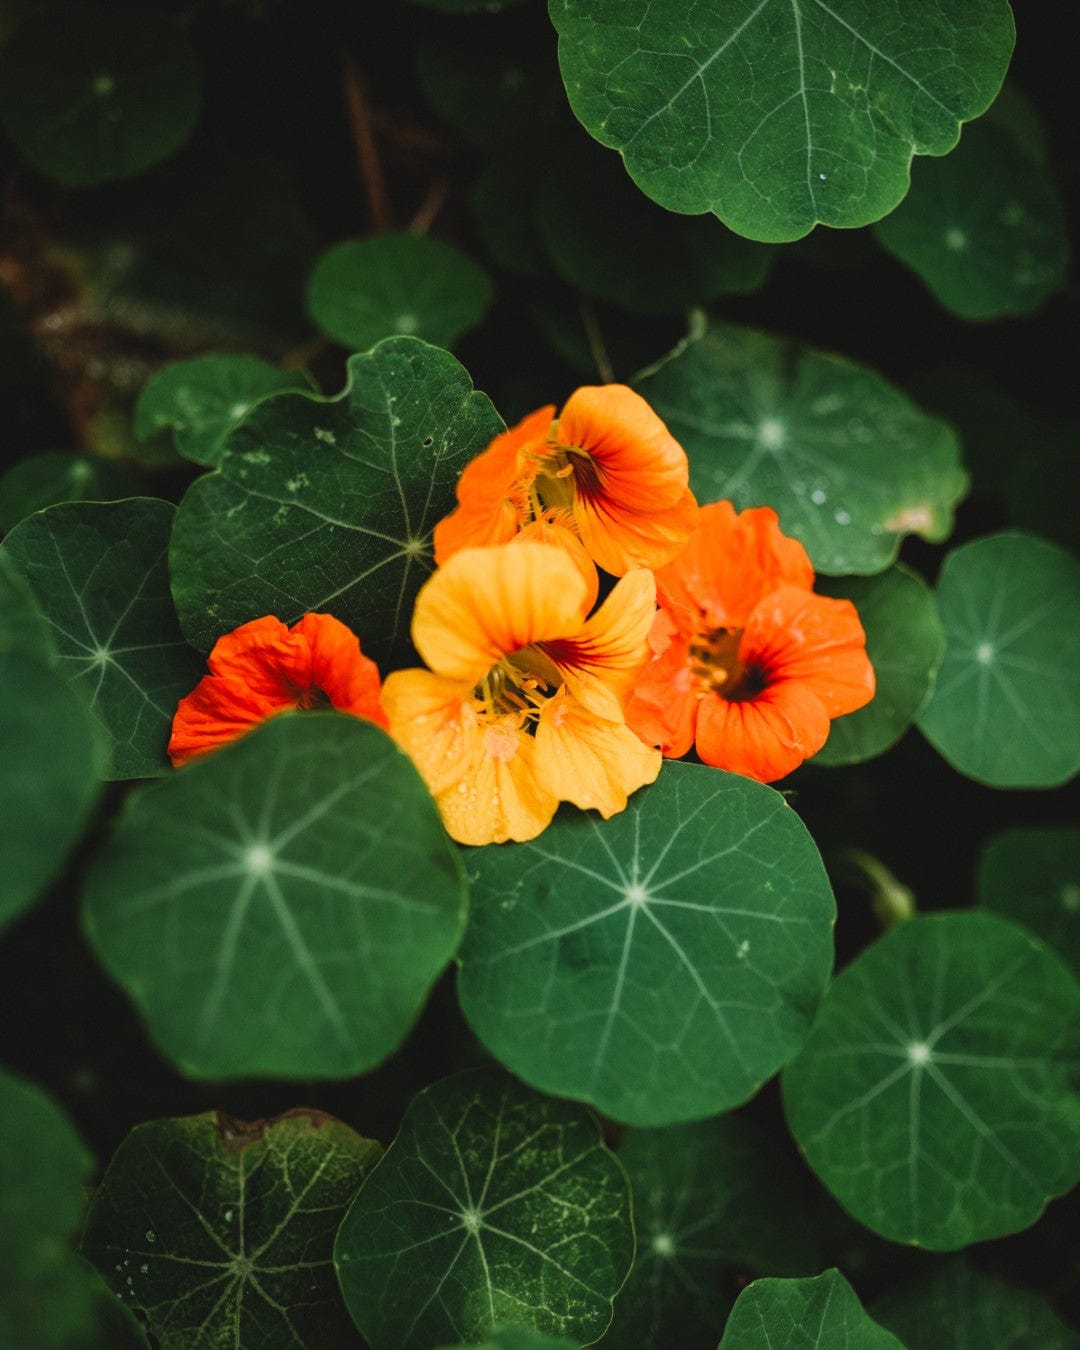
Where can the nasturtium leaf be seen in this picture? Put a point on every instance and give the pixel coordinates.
(934, 1094)
(778, 116)
(660, 965)
(201, 400)
(518, 1338)
(905, 643)
(957, 1305)
(603, 236)
(266, 911)
(984, 228)
(99, 573)
(93, 92)
(1033, 876)
(51, 757)
(1005, 708)
(46, 1295)
(23, 627)
(59, 476)
(823, 1313)
(221, 1231)
(708, 1197)
(493, 1205)
(363, 290)
(330, 503)
(849, 464)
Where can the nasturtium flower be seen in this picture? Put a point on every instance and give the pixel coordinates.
(606, 471)
(263, 668)
(523, 704)
(750, 664)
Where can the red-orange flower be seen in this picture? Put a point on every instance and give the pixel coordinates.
(263, 668)
(607, 471)
(750, 664)
(522, 706)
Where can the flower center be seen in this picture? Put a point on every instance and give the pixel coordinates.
(512, 688)
(314, 697)
(715, 665)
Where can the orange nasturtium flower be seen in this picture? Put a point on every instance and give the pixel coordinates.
(522, 706)
(262, 668)
(750, 664)
(607, 470)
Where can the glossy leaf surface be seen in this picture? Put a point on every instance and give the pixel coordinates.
(266, 912)
(59, 476)
(823, 1313)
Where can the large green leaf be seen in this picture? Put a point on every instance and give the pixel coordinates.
(849, 464)
(618, 245)
(934, 1095)
(92, 92)
(905, 644)
(330, 504)
(268, 914)
(23, 627)
(779, 114)
(492, 1205)
(366, 289)
(51, 757)
(956, 1305)
(46, 1297)
(510, 1337)
(221, 1231)
(660, 965)
(984, 228)
(709, 1197)
(99, 573)
(1033, 876)
(823, 1313)
(201, 400)
(59, 476)
(1006, 706)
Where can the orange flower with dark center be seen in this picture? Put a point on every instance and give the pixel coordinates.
(523, 704)
(750, 664)
(263, 668)
(606, 471)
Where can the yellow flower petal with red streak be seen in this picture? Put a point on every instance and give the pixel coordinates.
(485, 603)
(589, 761)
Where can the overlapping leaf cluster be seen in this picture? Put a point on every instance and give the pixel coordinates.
(284, 909)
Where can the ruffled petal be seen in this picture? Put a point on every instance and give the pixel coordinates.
(589, 761)
(484, 604)
(218, 710)
(794, 635)
(339, 669)
(619, 537)
(663, 707)
(765, 737)
(601, 661)
(272, 659)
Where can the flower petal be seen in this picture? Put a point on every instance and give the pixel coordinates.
(588, 760)
(664, 705)
(434, 722)
(348, 678)
(562, 536)
(501, 796)
(765, 737)
(486, 603)
(218, 710)
(273, 661)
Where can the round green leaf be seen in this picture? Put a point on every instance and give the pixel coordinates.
(823, 1313)
(1033, 876)
(366, 289)
(51, 756)
(849, 464)
(22, 625)
(99, 573)
(905, 644)
(46, 1297)
(200, 401)
(492, 1205)
(620, 246)
(956, 1305)
(708, 1197)
(780, 116)
(660, 965)
(45, 480)
(220, 1231)
(266, 912)
(92, 92)
(1005, 709)
(984, 228)
(330, 503)
(933, 1096)
(518, 1338)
